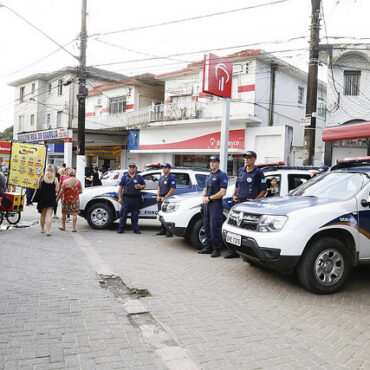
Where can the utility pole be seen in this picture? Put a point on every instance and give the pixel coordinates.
(311, 104)
(81, 160)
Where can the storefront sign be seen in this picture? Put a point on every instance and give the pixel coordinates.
(217, 76)
(5, 147)
(209, 141)
(107, 152)
(27, 164)
(58, 133)
(180, 90)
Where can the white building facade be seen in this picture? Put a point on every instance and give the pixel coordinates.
(267, 107)
(348, 102)
(46, 108)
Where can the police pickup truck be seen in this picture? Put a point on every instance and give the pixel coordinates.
(100, 206)
(181, 214)
(321, 229)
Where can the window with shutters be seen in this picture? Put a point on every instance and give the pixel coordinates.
(352, 82)
(117, 105)
(59, 119)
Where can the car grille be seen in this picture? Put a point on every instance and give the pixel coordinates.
(244, 220)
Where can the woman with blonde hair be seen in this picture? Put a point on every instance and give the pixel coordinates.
(46, 196)
(70, 194)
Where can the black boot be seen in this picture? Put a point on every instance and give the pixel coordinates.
(216, 253)
(206, 250)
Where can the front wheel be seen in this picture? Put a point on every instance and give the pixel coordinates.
(325, 266)
(13, 217)
(197, 235)
(100, 216)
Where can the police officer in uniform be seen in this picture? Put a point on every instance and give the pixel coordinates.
(250, 185)
(129, 195)
(216, 185)
(166, 188)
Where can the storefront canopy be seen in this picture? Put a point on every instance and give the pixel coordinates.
(346, 132)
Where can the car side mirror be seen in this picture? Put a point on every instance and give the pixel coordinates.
(366, 203)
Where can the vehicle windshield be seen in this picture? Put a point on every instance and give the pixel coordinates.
(334, 185)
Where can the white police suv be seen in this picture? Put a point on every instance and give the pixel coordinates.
(181, 214)
(100, 206)
(322, 229)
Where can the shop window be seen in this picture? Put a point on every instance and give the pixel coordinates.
(117, 105)
(352, 82)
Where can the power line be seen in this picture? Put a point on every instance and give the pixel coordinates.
(36, 61)
(196, 52)
(190, 19)
(42, 32)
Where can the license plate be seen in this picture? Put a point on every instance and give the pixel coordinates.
(234, 239)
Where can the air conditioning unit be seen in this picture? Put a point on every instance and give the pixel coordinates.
(99, 102)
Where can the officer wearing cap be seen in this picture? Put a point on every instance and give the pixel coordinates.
(216, 185)
(129, 195)
(250, 185)
(166, 188)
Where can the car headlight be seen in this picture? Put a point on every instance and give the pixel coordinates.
(172, 207)
(269, 223)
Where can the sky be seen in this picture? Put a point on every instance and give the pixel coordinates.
(25, 51)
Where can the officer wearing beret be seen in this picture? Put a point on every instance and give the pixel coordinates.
(166, 188)
(129, 195)
(250, 185)
(216, 185)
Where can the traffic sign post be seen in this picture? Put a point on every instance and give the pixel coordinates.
(217, 80)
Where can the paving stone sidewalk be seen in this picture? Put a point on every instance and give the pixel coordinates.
(221, 314)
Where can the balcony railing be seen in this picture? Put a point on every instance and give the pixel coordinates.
(164, 112)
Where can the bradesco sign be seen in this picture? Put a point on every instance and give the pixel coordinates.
(217, 76)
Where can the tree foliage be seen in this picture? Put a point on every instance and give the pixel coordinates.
(7, 134)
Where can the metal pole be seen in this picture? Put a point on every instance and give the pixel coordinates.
(224, 144)
(81, 160)
(310, 131)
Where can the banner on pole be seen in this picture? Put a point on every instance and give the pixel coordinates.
(217, 76)
(27, 163)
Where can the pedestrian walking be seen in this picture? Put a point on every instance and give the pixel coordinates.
(2, 183)
(129, 195)
(70, 196)
(29, 195)
(215, 190)
(62, 169)
(250, 185)
(166, 188)
(46, 197)
(95, 177)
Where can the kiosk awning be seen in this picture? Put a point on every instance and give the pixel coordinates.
(345, 132)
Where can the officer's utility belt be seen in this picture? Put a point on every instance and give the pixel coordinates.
(214, 200)
(132, 195)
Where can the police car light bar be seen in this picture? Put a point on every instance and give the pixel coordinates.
(354, 159)
(155, 165)
(281, 163)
